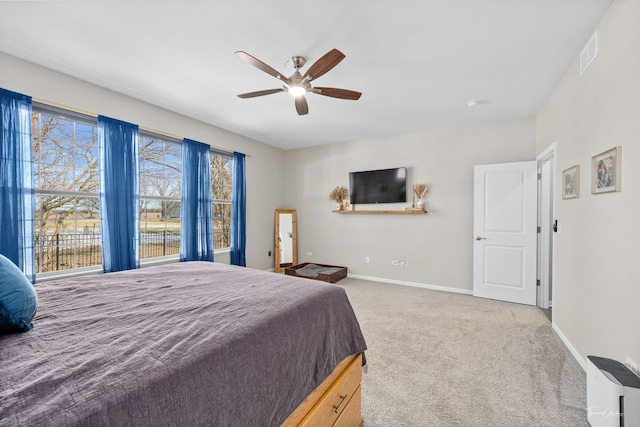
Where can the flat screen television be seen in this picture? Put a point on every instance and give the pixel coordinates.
(378, 186)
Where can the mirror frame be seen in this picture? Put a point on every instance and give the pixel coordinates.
(294, 232)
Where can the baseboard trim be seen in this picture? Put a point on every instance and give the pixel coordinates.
(413, 284)
(570, 346)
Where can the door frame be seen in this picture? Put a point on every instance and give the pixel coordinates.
(546, 238)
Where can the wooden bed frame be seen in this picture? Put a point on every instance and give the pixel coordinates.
(336, 402)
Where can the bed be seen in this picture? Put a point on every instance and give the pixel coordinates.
(188, 344)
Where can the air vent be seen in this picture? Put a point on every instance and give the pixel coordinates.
(589, 53)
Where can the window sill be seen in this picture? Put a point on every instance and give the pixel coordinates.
(86, 271)
(55, 275)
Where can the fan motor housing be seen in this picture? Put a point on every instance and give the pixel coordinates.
(298, 61)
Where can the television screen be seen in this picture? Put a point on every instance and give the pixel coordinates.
(378, 186)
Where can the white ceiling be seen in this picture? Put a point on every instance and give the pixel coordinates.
(417, 62)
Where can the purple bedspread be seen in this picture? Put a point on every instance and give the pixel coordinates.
(188, 344)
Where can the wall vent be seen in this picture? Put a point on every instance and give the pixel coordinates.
(589, 53)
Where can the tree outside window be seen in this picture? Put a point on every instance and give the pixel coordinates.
(160, 192)
(221, 185)
(66, 179)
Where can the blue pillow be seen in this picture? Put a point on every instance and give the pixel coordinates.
(18, 299)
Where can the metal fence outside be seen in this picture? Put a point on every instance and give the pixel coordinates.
(63, 251)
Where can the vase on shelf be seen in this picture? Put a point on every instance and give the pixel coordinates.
(339, 206)
(420, 204)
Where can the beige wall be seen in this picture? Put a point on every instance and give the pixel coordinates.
(597, 281)
(264, 168)
(438, 246)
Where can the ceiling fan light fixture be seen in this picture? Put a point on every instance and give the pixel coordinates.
(297, 84)
(297, 90)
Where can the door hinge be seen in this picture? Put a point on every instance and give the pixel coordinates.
(538, 282)
(539, 229)
(539, 176)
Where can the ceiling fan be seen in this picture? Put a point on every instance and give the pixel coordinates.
(297, 84)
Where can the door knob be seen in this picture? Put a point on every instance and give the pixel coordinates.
(480, 238)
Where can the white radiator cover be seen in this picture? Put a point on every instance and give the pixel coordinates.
(613, 394)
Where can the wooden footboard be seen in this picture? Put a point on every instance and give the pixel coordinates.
(336, 402)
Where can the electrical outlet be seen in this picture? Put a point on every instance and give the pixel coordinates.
(632, 365)
(366, 259)
(309, 253)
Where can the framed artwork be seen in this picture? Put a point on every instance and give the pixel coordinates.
(605, 171)
(571, 182)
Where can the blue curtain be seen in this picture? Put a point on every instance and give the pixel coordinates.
(16, 182)
(238, 212)
(119, 194)
(196, 231)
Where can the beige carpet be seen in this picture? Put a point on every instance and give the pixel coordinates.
(444, 359)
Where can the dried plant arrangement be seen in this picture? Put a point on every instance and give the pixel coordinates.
(339, 193)
(420, 190)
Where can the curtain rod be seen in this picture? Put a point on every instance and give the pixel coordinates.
(148, 129)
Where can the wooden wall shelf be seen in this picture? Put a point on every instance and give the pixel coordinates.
(394, 212)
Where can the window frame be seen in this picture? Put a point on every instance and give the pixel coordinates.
(84, 119)
(89, 119)
(229, 156)
(144, 133)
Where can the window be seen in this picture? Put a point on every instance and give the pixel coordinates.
(221, 185)
(160, 192)
(66, 178)
(66, 154)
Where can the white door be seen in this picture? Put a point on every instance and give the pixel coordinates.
(505, 228)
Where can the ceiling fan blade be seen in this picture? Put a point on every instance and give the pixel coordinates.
(260, 93)
(324, 64)
(260, 65)
(337, 93)
(301, 105)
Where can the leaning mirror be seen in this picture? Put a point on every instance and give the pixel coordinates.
(286, 251)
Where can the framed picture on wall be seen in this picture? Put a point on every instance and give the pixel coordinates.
(605, 171)
(571, 182)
